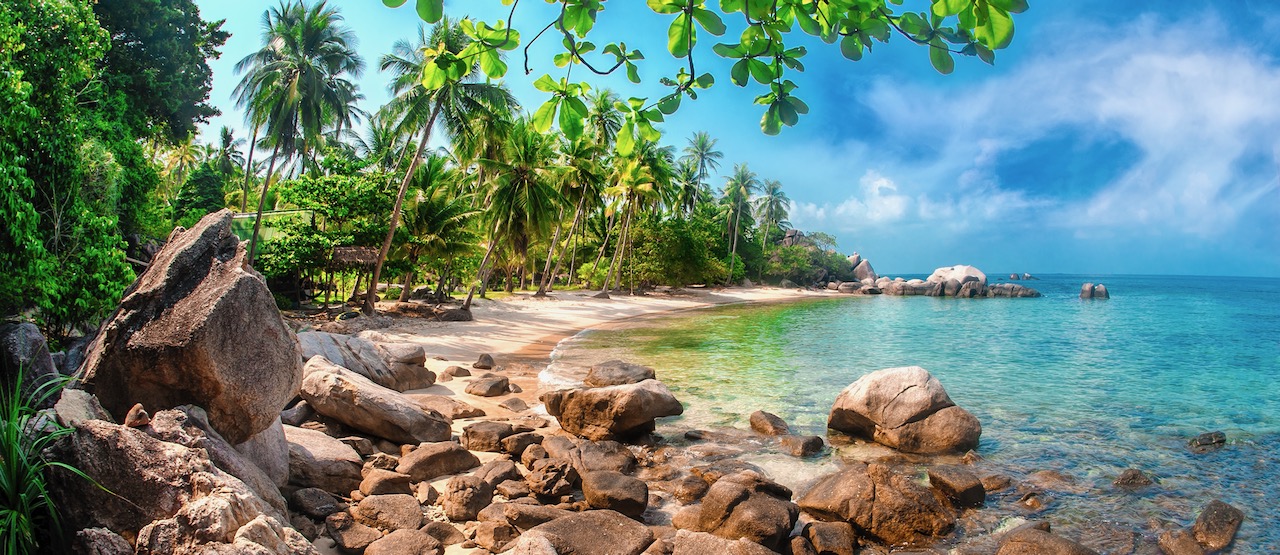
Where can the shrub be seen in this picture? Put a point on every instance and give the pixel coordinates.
(28, 519)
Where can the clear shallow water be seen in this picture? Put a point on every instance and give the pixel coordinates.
(1087, 388)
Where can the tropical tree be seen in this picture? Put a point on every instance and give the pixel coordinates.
(603, 117)
(581, 184)
(437, 220)
(452, 100)
(633, 187)
(523, 200)
(228, 157)
(702, 154)
(297, 84)
(772, 206)
(738, 188)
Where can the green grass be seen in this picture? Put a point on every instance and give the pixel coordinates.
(28, 518)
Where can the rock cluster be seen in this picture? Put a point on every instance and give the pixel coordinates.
(1094, 291)
(951, 281)
(624, 409)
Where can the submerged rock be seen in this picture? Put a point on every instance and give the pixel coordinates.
(199, 327)
(907, 409)
(890, 508)
(1217, 524)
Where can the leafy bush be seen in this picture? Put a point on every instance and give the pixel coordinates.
(28, 519)
(592, 275)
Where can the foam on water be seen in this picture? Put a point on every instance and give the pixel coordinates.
(1087, 388)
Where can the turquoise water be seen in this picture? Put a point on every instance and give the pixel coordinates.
(1087, 388)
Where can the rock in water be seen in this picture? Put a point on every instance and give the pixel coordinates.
(617, 372)
(199, 327)
(1217, 524)
(618, 411)
(889, 507)
(907, 409)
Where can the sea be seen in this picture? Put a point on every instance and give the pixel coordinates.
(1083, 388)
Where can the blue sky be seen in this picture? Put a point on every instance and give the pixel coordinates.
(1111, 137)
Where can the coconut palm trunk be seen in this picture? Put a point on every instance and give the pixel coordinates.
(614, 261)
(569, 239)
(551, 252)
(248, 165)
(369, 307)
(733, 251)
(484, 263)
(262, 203)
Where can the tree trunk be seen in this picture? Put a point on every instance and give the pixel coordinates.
(577, 215)
(356, 289)
(551, 252)
(603, 245)
(262, 203)
(444, 276)
(493, 243)
(404, 288)
(764, 245)
(604, 292)
(248, 166)
(369, 307)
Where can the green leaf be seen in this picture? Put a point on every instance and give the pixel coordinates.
(709, 21)
(664, 6)
(680, 36)
(807, 23)
(851, 47)
(1011, 6)
(997, 33)
(545, 115)
(492, 65)
(771, 124)
(647, 131)
(546, 84)
(705, 80)
(948, 8)
(940, 57)
(798, 105)
(740, 72)
(430, 11)
(761, 71)
(786, 113)
(729, 50)
(571, 120)
(626, 138)
(393, 3)
(985, 54)
(670, 104)
(633, 73)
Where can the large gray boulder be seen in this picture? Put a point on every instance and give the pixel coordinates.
(617, 372)
(888, 507)
(319, 461)
(354, 400)
(864, 271)
(392, 366)
(907, 409)
(198, 327)
(23, 349)
(613, 412)
(959, 273)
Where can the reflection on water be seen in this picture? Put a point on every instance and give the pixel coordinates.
(1086, 388)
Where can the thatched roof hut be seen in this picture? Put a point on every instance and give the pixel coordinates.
(348, 258)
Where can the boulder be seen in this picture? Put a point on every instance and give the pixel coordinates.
(486, 436)
(768, 424)
(958, 485)
(443, 532)
(495, 536)
(489, 385)
(699, 543)
(960, 274)
(1208, 441)
(405, 542)
(269, 451)
(599, 532)
(1100, 292)
(144, 479)
(514, 404)
(748, 505)
(613, 412)
(75, 406)
(831, 538)
(354, 400)
(888, 507)
(378, 481)
(358, 355)
(198, 327)
(552, 477)
(527, 516)
(389, 512)
(907, 409)
(315, 503)
(864, 271)
(1132, 478)
(1086, 291)
(350, 535)
(497, 471)
(1029, 540)
(617, 372)
(100, 541)
(433, 460)
(220, 524)
(402, 353)
(23, 349)
(606, 489)
(849, 287)
(854, 260)
(802, 446)
(319, 461)
(515, 444)
(464, 497)
(447, 406)
(484, 362)
(1217, 524)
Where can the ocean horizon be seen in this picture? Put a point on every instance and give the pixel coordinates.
(1083, 389)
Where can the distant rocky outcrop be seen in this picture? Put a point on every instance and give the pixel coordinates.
(199, 327)
(1094, 291)
(951, 281)
(907, 409)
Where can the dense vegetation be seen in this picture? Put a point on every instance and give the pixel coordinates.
(99, 102)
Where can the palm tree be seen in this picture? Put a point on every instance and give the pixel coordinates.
(438, 221)
(581, 184)
(523, 200)
(701, 152)
(180, 160)
(454, 102)
(772, 206)
(296, 86)
(688, 185)
(633, 188)
(604, 120)
(228, 157)
(738, 189)
(383, 143)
